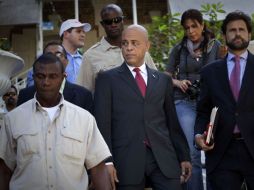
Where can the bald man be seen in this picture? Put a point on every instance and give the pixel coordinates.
(135, 112)
(106, 54)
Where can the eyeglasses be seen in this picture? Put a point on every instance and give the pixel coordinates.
(10, 94)
(115, 20)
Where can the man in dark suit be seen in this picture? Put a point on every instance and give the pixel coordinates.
(73, 93)
(136, 115)
(227, 84)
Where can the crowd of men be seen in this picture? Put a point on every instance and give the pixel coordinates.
(107, 119)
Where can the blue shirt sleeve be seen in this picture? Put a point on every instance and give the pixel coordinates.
(29, 79)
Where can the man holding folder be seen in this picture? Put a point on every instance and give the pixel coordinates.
(227, 84)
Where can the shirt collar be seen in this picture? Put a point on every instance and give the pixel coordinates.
(107, 46)
(76, 54)
(37, 106)
(142, 68)
(242, 56)
(62, 86)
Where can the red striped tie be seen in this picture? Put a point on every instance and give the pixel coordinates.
(235, 78)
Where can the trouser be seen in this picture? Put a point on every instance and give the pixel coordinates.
(156, 178)
(186, 113)
(235, 167)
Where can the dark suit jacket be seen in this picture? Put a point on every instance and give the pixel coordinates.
(73, 93)
(216, 91)
(125, 118)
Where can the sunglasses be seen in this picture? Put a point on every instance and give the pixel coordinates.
(115, 20)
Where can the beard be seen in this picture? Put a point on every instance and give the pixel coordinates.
(11, 102)
(234, 46)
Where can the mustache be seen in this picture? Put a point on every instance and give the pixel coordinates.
(11, 101)
(238, 37)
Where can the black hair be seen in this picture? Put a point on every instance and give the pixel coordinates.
(196, 15)
(55, 43)
(192, 14)
(14, 87)
(236, 15)
(69, 30)
(111, 7)
(48, 58)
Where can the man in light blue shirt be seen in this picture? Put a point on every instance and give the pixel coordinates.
(29, 78)
(72, 69)
(72, 34)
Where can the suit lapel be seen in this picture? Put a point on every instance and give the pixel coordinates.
(222, 75)
(152, 78)
(68, 91)
(128, 78)
(247, 77)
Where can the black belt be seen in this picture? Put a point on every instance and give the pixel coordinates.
(237, 136)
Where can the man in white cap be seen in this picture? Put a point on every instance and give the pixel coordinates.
(72, 34)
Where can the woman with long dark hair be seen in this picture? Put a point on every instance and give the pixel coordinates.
(197, 48)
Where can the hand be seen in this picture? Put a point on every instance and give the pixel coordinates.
(186, 171)
(182, 84)
(198, 52)
(200, 142)
(113, 176)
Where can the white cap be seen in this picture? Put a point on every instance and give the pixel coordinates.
(73, 23)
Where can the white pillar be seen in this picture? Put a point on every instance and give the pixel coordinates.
(39, 30)
(76, 9)
(134, 12)
(168, 6)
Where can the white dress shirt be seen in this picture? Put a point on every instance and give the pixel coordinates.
(143, 71)
(231, 64)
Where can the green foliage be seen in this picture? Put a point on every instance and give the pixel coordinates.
(212, 10)
(164, 33)
(5, 44)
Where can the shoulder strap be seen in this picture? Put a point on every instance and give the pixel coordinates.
(177, 61)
